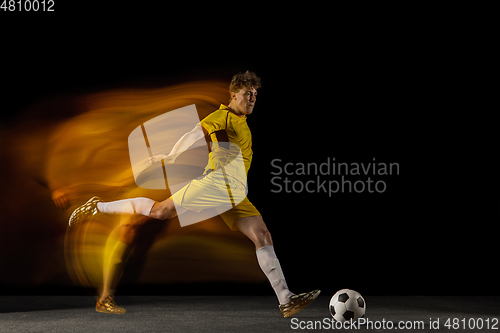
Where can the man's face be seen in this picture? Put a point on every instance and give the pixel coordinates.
(244, 101)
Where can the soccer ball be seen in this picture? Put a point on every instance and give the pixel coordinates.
(347, 304)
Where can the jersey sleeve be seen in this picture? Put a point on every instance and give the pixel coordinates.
(216, 121)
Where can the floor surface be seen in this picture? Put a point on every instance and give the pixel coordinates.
(242, 314)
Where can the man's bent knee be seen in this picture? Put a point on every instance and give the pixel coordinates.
(264, 238)
(163, 210)
(254, 228)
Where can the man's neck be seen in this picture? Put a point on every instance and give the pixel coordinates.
(232, 108)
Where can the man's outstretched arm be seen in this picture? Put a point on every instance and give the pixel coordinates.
(183, 144)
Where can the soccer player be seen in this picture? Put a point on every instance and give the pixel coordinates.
(226, 128)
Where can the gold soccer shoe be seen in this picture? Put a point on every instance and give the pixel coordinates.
(109, 306)
(84, 212)
(298, 302)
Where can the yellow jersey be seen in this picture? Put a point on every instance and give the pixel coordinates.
(237, 131)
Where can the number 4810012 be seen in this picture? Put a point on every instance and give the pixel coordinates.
(27, 5)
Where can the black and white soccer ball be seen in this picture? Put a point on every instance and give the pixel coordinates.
(347, 304)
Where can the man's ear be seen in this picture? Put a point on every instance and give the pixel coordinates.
(233, 95)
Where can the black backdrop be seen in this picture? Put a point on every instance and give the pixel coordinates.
(352, 90)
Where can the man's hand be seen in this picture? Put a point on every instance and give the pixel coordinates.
(157, 158)
(168, 159)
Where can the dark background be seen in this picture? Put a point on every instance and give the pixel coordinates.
(376, 80)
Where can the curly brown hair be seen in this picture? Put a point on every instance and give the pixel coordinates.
(247, 80)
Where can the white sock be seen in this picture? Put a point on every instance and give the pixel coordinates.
(140, 206)
(270, 265)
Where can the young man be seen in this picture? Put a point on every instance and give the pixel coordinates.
(226, 128)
